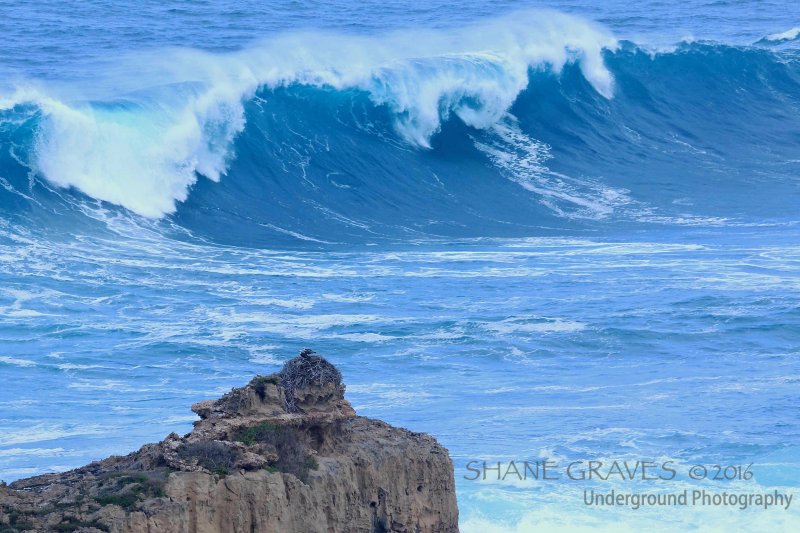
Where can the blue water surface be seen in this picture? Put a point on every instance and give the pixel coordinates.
(536, 230)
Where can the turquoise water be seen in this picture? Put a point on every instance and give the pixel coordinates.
(568, 234)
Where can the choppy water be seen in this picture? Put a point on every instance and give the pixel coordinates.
(569, 233)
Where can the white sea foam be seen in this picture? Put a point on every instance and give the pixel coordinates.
(383, 395)
(364, 337)
(74, 366)
(181, 109)
(47, 432)
(38, 452)
(523, 159)
(513, 326)
(293, 326)
(348, 298)
(17, 362)
(264, 356)
(569, 514)
(787, 35)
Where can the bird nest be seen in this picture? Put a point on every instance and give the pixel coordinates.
(307, 369)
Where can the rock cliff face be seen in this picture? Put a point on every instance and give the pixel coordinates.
(285, 453)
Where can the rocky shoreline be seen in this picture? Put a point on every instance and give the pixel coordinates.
(285, 453)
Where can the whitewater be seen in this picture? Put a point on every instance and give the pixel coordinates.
(537, 230)
(177, 117)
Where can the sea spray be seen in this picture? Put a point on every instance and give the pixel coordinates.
(143, 145)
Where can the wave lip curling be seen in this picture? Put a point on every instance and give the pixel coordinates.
(143, 144)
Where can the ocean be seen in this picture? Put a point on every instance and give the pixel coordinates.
(556, 231)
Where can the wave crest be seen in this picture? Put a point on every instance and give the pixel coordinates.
(164, 119)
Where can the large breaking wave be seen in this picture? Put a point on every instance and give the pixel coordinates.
(513, 126)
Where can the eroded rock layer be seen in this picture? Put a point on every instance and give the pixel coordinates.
(263, 458)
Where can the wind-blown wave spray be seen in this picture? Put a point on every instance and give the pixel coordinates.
(174, 115)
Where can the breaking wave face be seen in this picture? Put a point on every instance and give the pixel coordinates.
(505, 127)
(144, 150)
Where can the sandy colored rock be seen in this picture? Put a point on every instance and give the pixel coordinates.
(251, 465)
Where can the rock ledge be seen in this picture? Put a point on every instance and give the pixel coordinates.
(266, 457)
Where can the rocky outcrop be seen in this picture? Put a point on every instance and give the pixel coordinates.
(285, 453)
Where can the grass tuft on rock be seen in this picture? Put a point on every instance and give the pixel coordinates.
(215, 456)
(126, 489)
(263, 432)
(291, 446)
